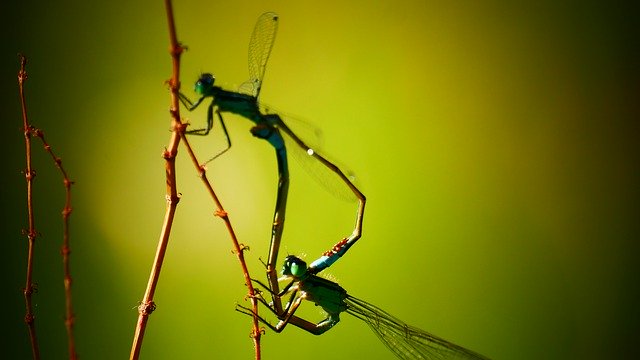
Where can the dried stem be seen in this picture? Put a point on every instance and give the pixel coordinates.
(31, 233)
(238, 249)
(29, 131)
(147, 305)
(65, 249)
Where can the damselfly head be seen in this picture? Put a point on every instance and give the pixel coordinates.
(294, 266)
(204, 83)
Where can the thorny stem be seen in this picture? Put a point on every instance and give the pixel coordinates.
(65, 249)
(29, 318)
(29, 131)
(238, 249)
(147, 305)
(256, 331)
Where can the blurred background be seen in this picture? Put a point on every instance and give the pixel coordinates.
(494, 142)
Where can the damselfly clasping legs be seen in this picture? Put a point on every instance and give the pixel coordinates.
(269, 127)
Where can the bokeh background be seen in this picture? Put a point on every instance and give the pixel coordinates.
(496, 142)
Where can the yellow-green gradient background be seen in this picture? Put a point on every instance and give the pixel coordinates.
(495, 142)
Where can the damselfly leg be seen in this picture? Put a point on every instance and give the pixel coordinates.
(269, 127)
(405, 341)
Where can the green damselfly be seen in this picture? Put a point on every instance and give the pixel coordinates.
(269, 127)
(405, 341)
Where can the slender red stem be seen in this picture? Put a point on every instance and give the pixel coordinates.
(238, 248)
(29, 132)
(147, 306)
(176, 50)
(65, 249)
(31, 233)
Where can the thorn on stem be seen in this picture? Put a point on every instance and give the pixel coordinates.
(70, 321)
(179, 127)
(175, 50)
(179, 49)
(22, 74)
(223, 214)
(30, 290)
(256, 334)
(31, 234)
(168, 83)
(172, 200)
(257, 293)
(242, 248)
(66, 211)
(166, 154)
(30, 175)
(147, 308)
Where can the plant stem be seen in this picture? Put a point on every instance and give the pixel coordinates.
(147, 306)
(65, 249)
(174, 83)
(238, 248)
(29, 132)
(29, 317)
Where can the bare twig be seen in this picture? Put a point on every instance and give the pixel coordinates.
(147, 305)
(29, 131)
(65, 249)
(31, 233)
(238, 249)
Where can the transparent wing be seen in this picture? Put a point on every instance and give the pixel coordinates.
(260, 45)
(405, 341)
(304, 155)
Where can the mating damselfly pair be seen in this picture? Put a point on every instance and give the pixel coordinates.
(406, 342)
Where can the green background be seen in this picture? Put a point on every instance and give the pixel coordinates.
(494, 141)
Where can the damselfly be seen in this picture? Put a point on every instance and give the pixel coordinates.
(405, 341)
(269, 127)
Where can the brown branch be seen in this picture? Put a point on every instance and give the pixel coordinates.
(31, 233)
(256, 331)
(147, 306)
(65, 249)
(29, 131)
(238, 249)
